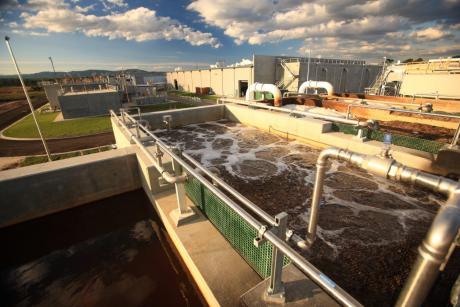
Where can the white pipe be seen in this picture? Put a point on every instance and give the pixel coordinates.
(316, 84)
(262, 87)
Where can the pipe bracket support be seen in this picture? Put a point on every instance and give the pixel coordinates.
(260, 236)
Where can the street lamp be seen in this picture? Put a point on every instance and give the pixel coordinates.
(13, 59)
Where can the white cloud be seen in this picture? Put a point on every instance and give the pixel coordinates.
(432, 33)
(140, 24)
(362, 25)
(243, 62)
(84, 9)
(119, 3)
(44, 4)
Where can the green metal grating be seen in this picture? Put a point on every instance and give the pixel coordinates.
(234, 228)
(397, 139)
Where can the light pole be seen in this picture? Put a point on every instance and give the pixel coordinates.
(13, 59)
(55, 76)
(52, 65)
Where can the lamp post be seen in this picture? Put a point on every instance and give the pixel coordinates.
(55, 76)
(13, 59)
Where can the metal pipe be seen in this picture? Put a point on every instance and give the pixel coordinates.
(306, 114)
(321, 164)
(316, 84)
(32, 110)
(164, 173)
(261, 87)
(336, 292)
(434, 251)
(397, 110)
(456, 137)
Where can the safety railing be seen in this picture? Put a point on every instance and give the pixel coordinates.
(442, 236)
(436, 96)
(392, 109)
(360, 125)
(272, 229)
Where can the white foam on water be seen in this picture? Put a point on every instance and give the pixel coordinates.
(247, 142)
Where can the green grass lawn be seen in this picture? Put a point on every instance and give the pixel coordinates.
(26, 128)
(166, 106)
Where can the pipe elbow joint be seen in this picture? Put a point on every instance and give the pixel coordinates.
(442, 233)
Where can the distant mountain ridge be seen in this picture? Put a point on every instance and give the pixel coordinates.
(85, 73)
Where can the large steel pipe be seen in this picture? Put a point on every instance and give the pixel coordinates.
(432, 253)
(262, 87)
(434, 250)
(316, 85)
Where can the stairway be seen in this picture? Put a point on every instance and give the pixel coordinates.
(284, 83)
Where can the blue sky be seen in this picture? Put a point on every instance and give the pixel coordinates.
(164, 34)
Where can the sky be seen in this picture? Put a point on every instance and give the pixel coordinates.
(160, 35)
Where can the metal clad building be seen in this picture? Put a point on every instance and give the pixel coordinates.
(287, 73)
(93, 103)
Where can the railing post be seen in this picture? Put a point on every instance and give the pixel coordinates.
(361, 135)
(122, 112)
(183, 212)
(276, 291)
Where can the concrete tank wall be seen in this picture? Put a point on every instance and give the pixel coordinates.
(186, 116)
(42, 189)
(74, 105)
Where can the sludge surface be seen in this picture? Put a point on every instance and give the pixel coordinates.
(369, 228)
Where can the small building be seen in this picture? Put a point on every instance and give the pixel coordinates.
(288, 73)
(92, 103)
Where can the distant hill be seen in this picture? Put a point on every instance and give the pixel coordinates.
(84, 73)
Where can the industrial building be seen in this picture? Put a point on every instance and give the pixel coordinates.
(92, 103)
(288, 73)
(438, 78)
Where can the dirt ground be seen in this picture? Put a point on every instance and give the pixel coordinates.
(369, 228)
(14, 110)
(9, 148)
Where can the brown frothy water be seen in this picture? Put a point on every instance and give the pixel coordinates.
(369, 228)
(107, 253)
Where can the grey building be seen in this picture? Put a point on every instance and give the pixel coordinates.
(93, 103)
(288, 73)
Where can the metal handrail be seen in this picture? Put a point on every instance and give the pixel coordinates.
(434, 95)
(350, 106)
(250, 205)
(319, 278)
(301, 113)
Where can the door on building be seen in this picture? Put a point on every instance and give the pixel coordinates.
(175, 84)
(242, 88)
